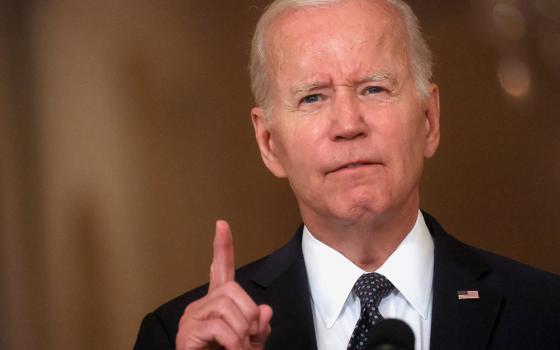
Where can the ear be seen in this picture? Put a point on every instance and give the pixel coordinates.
(431, 115)
(266, 142)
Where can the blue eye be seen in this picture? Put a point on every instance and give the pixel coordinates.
(372, 90)
(311, 98)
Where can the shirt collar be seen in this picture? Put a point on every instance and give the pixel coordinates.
(409, 268)
(331, 277)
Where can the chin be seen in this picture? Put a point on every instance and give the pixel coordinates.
(366, 210)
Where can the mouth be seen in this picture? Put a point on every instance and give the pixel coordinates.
(352, 166)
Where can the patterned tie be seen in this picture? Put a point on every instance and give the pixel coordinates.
(370, 288)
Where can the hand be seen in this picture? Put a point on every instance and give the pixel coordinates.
(226, 317)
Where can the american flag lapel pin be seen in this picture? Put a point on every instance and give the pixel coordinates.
(467, 294)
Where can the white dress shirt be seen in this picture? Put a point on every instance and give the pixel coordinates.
(335, 307)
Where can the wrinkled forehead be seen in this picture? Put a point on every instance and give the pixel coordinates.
(374, 23)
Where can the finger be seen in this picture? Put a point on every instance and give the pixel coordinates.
(225, 308)
(242, 300)
(265, 315)
(202, 335)
(222, 269)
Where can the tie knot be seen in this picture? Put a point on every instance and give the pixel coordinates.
(371, 288)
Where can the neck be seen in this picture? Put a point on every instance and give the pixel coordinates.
(367, 243)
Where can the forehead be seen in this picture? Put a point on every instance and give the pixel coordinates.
(349, 32)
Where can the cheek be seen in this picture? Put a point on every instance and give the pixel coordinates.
(414, 153)
(288, 148)
(406, 142)
(299, 143)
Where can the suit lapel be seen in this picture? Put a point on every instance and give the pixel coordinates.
(460, 324)
(283, 279)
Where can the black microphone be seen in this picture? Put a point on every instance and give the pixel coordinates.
(390, 334)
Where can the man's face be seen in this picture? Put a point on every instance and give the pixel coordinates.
(348, 127)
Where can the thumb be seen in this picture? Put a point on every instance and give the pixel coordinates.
(259, 339)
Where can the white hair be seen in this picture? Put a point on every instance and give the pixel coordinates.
(419, 54)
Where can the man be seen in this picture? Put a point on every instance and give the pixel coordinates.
(346, 112)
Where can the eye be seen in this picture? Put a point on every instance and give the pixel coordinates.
(372, 90)
(311, 99)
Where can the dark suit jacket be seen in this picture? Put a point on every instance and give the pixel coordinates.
(519, 307)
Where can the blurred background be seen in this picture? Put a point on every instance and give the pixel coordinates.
(125, 133)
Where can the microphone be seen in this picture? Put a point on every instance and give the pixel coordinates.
(390, 334)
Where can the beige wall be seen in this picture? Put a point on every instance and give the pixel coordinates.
(125, 132)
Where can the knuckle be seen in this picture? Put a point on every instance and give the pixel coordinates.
(190, 307)
(223, 299)
(230, 287)
(243, 328)
(228, 340)
(191, 310)
(222, 304)
(234, 343)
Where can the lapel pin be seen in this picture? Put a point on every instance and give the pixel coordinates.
(467, 294)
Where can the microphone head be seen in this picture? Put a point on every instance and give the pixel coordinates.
(390, 334)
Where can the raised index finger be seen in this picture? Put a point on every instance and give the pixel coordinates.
(222, 269)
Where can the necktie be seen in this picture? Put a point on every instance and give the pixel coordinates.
(370, 289)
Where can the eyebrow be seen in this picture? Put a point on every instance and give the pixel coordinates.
(308, 87)
(378, 77)
(375, 77)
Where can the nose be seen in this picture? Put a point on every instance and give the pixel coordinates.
(347, 120)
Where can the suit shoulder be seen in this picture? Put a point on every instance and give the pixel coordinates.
(495, 267)
(514, 279)
(522, 275)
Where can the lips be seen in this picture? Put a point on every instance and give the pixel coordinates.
(352, 165)
(355, 165)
